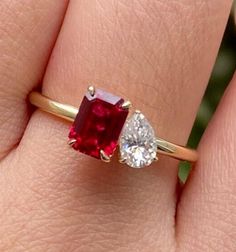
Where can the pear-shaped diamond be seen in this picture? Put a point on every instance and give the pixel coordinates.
(138, 145)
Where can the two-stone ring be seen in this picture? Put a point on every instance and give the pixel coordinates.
(100, 125)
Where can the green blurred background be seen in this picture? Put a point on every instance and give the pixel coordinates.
(222, 73)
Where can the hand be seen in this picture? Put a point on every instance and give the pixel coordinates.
(158, 54)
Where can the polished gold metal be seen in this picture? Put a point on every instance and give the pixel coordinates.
(176, 151)
(122, 161)
(69, 113)
(91, 90)
(71, 142)
(126, 105)
(104, 157)
(65, 111)
(165, 146)
(156, 159)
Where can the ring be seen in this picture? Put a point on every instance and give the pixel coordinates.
(100, 125)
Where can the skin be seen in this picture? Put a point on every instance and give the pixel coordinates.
(159, 55)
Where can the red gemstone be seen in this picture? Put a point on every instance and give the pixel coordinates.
(98, 124)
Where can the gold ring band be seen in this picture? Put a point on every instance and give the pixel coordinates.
(69, 113)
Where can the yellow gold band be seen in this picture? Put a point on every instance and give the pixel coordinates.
(69, 113)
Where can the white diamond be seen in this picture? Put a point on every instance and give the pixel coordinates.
(138, 145)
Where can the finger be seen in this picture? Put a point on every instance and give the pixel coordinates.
(151, 53)
(206, 214)
(27, 34)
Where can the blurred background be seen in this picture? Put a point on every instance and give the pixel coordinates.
(222, 73)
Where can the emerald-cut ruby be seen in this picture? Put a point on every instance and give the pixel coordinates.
(98, 123)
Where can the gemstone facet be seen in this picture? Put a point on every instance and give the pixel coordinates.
(138, 145)
(98, 124)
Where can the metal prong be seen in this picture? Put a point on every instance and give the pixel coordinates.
(104, 156)
(126, 105)
(122, 160)
(71, 142)
(155, 159)
(91, 90)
